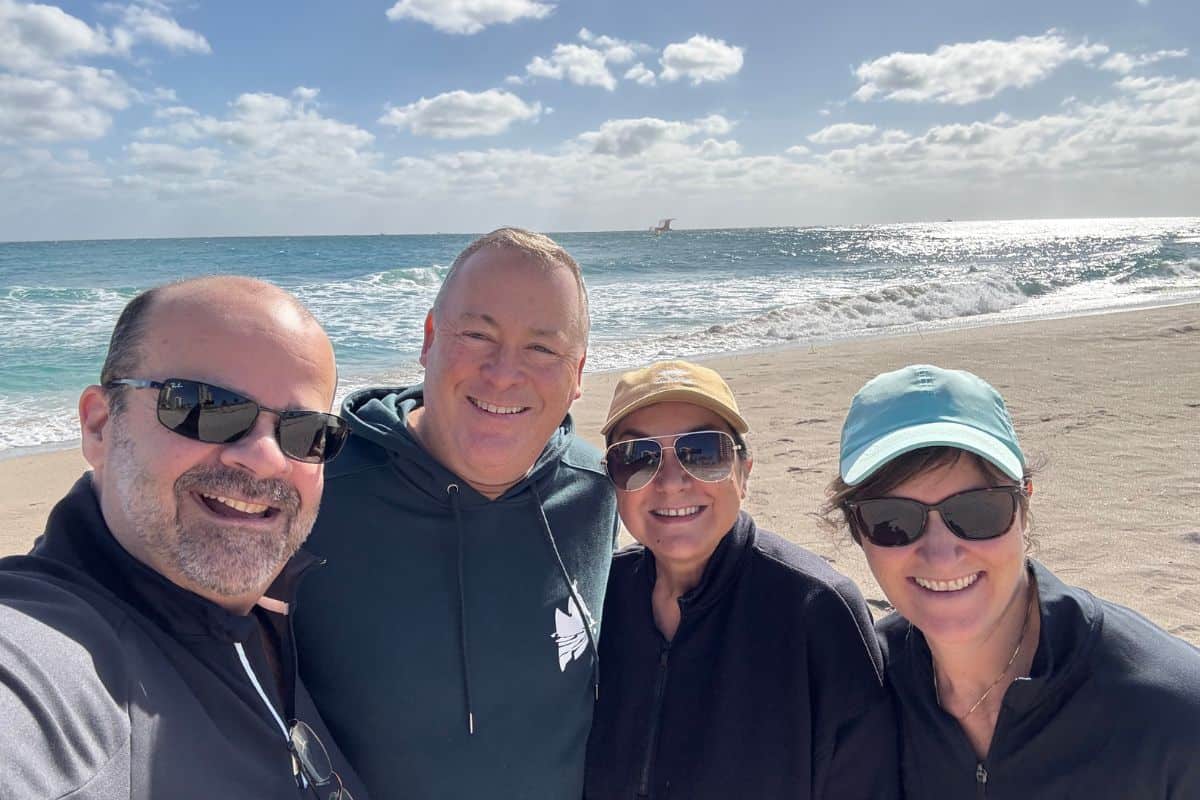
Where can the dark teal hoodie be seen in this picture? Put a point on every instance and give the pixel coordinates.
(443, 641)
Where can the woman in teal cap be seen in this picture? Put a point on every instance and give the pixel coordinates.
(1008, 683)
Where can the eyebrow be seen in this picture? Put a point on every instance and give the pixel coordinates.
(545, 333)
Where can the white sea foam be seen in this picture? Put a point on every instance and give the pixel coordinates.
(685, 294)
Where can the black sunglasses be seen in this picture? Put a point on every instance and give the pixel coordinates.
(217, 415)
(314, 762)
(707, 456)
(975, 515)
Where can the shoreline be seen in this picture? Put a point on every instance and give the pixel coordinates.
(1110, 401)
(978, 321)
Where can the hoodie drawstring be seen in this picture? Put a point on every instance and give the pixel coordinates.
(571, 591)
(452, 491)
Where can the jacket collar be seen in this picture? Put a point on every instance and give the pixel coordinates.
(77, 536)
(1071, 619)
(722, 568)
(381, 416)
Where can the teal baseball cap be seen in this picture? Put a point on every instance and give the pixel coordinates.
(926, 406)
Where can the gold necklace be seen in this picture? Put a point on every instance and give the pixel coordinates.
(1012, 659)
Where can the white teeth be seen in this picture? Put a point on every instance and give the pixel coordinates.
(947, 586)
(498, 409)
(677, 512)
(239, 505)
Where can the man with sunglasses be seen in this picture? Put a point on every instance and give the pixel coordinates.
(451, 642)
(145, 641)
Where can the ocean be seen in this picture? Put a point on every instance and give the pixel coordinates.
(683, 293)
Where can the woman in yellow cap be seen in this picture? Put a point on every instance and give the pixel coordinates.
(1008, 683)
(735, 664)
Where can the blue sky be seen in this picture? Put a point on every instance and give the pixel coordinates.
(157, 118)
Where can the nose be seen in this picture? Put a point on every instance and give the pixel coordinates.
(939, 544)
(258, 452)
(671, 474)
(502, 368)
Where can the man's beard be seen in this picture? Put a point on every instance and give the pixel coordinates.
(225, 558)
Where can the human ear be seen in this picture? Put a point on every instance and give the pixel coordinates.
(579, 377)
(427, 342)
(747, 465)
(94, 415)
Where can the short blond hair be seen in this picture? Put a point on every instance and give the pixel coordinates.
(537, 247)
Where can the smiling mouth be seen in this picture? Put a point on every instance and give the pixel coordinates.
(500, 411)
(956, 585)
(233, 508)
(676, 513)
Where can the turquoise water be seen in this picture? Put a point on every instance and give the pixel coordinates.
(682, 293)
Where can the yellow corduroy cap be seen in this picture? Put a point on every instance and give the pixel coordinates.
(673, 382)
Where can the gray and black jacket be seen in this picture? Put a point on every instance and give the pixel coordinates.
(116, 683)
(1110, 711)
(451, 641)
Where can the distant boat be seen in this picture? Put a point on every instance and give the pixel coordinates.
(663, 226)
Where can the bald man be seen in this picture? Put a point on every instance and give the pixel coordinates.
(145, 643)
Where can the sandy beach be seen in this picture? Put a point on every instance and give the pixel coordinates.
(1110, 403)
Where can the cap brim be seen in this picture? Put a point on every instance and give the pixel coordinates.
(859, 466)
(679, 395)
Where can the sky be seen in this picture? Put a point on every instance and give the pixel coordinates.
(156, 118)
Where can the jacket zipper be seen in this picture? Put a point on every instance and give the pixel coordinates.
(981, 779)
(660, 687)
(241, 653)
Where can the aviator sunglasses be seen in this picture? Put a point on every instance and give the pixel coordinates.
(974, 515)
(707, 456)
(215, 415)
(313, 760)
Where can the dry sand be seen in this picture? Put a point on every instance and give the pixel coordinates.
(1111, 402)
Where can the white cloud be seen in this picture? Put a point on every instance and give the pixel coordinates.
(156, 157)
(146, 22)
(1151, 131)
(969, 72)
(797, 150)
(580, 65)
(616, 51)
(69, 103)
(266, 146)
(701, 59)
(35, 37)
(1124, 63)
(46, 95)
(468, 16)
(587, 64)
(628, 138)
(640, 75)
(305, 94)
(712, 148)
(842, 133)
(37, 170)
(268, 125)
(459, 114)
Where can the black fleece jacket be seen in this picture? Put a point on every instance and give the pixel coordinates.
(116, 683)
(1110, 711)
(771, 687)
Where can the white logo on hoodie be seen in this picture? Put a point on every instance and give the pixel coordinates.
(569, 632)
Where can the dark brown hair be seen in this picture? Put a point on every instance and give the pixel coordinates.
(125, 346)
(834, 514)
